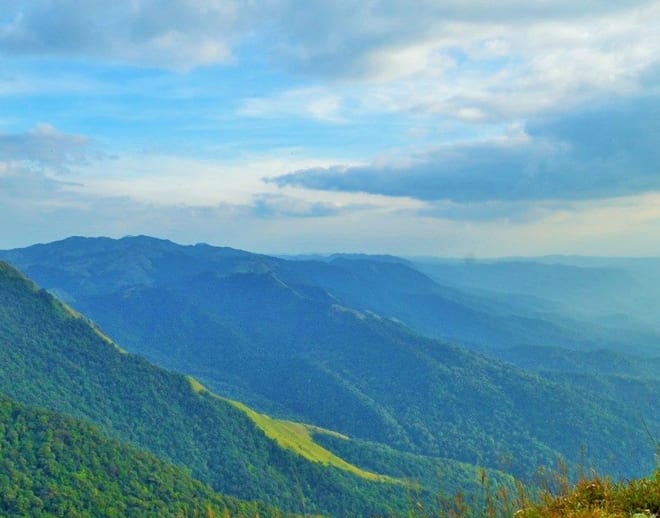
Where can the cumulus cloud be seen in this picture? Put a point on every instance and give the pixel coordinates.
(465, 60)
(472, 61)
(441, 70)
(352, 39)
(46, 146)
(281, 206)
(596, 153)
(179, 34)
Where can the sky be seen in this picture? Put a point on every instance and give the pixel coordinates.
(446, 128)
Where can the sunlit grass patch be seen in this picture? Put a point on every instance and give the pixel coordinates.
(297, 437)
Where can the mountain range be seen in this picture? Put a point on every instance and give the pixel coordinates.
(373, 348)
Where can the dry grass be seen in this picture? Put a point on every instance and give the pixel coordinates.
(554, 497)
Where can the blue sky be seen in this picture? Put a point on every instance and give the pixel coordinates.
(415, 128)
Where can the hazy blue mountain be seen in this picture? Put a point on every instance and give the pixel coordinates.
(615, 293)
(79, 267)
(477, 318)
(259, 328)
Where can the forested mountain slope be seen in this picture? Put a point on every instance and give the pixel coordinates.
(364, 375)
(76, 268)
(53, 465)
(249, 327)
(50, 357)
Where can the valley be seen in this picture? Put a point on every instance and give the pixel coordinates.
(317, 384)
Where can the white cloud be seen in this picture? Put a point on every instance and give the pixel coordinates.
(170, 180)
(178, 34)
(44, 208)
(316, 103)
(45, 146)
(462, 59)
(475, 61)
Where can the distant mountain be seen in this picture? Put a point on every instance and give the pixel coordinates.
(331, 257)
(285, 336)
(53, 465)
(597, 363)
(619, 293)
(481, 319)
(77, 267)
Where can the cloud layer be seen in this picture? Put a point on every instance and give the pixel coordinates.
(597, 153)
(44, 145)
(178, 34)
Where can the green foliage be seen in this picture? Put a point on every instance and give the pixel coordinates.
(53, 465)
(297, 437)
(599, 497)
(284, 337)
(299, 354)
(597, 363)
(431, 475)
(52, 358)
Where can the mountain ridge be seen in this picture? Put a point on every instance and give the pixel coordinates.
(52, 359)
(241, 316)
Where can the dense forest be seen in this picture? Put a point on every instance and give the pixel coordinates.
(51, 357)
(323, 341)
(52, 465)
(423, 414)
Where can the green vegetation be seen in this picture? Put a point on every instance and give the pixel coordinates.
(298, 438)
(53, 465)
(50, 358)
(298, 355)
(430, 475)
(553, 497)
(284, 337)
(310, 342)
(598, 498)
(597, 363)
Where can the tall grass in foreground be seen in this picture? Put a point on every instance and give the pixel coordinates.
(556, 497)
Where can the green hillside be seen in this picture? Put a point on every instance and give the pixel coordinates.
(53, 465)
(298, 438)
(284, 338)
(53, 359)
(288, 349)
